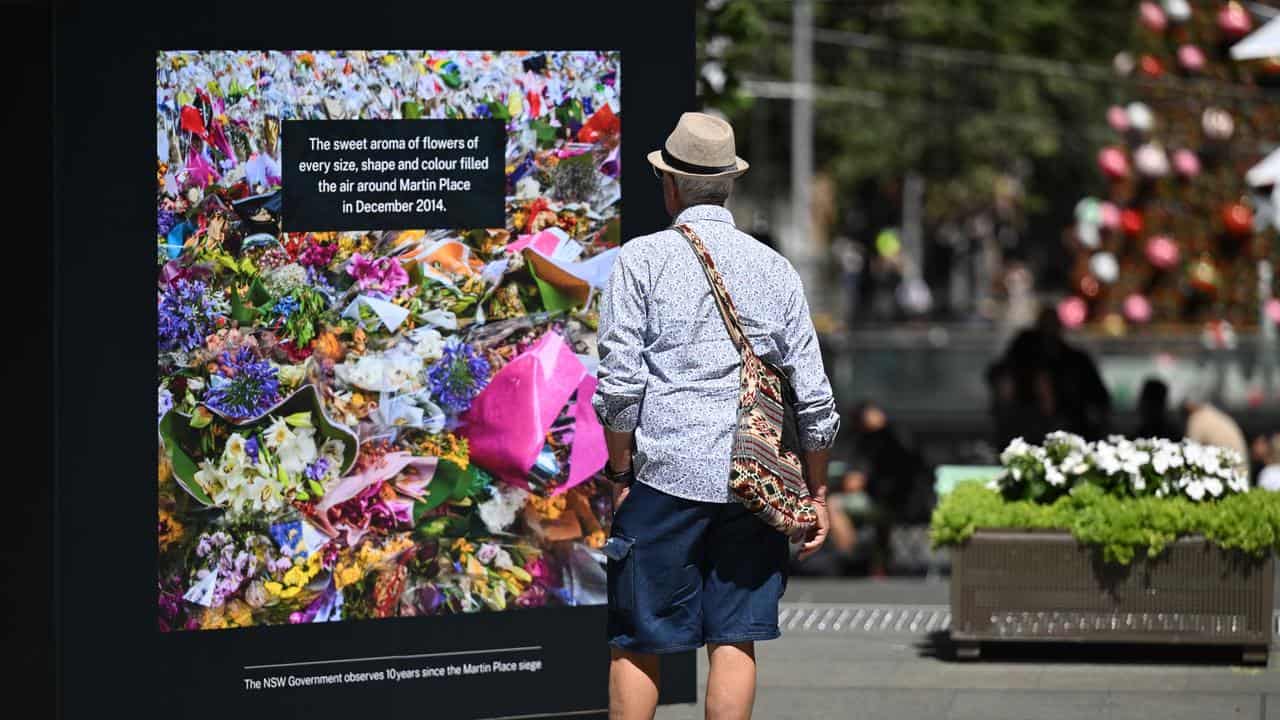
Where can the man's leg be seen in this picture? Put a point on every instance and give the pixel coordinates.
(731, 681)
(633, 685)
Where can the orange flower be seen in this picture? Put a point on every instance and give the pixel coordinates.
(328, 347)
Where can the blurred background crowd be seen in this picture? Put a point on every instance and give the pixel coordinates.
(1016, 216)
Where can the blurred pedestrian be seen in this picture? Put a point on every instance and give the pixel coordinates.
(1043, 383)
(1267, 457)
(893, 480)
(1208, 425)
(1154, 418)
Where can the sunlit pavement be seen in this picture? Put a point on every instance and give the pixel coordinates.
(851, 662)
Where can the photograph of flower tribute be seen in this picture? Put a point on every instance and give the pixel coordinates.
(380, 423)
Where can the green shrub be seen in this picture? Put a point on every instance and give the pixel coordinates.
(1122, 527)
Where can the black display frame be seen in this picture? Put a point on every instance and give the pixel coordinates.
(110, 656)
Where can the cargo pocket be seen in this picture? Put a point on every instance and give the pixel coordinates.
(619, 549)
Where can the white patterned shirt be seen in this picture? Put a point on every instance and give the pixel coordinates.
(668, 369)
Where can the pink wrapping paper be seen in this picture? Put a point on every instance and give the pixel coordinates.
(544, 242)
(588, 453)
(507, 423)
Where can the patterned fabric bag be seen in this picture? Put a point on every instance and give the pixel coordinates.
(766, 473)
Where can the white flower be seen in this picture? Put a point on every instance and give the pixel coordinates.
(1195, 490)
(499, 511)
(298, 452)
(1016, 448)
(278, 434)
(334, 451)
(427, 343)
(1214, 486)
(1054, 476)
(234, 449)
(502, 560)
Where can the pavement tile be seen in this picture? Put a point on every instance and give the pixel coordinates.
(1023, 705)
(1103, 678)
(1271, 701)
(1183, 706)
(1235, 679)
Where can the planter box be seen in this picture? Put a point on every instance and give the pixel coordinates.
(1045, 586)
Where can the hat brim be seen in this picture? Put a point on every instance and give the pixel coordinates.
(655, 159)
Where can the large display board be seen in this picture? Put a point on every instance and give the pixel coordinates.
(374, 278)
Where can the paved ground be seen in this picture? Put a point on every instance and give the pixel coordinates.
(908, 675)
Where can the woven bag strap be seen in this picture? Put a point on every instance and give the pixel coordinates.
(727, 310)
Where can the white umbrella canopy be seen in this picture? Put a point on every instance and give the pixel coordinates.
(1261, 43)
(1266, 172)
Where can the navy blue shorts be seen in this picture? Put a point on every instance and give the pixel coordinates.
(684, 573)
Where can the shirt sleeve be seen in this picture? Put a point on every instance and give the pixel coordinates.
(816, 416)
(623, 372)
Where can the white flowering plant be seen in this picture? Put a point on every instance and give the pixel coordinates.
(1120, 466)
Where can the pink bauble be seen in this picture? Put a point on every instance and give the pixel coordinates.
(1137, 308)
(1113, 162)
(1191, 58)
(1110, 216)
(1072, 312)
(1123, 64)
(1152, 16)
(1117, 118)
(1186, 163)
(1162, 251)
(1273, 310)
(1234, 20)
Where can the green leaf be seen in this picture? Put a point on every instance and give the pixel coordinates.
(316, 488)
(173, 433)
(299, 419)
(201, 418)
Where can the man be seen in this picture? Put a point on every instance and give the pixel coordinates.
(1208, 425)
(688, 565)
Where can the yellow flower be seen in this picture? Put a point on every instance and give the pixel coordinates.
(461, 545)
(290, 592)
(474, 568)
(596, 539)
(293, 577)
(273, 587)
(347, 576)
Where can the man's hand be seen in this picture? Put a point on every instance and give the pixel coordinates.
(619, 494)
(817, 534)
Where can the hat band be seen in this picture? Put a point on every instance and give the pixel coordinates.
(678, 164)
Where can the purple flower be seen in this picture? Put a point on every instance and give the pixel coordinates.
(243, 387)
(458, 376)
(251, 447)
(165, 220)
(188, 314)
(286, 306)
(317, 469)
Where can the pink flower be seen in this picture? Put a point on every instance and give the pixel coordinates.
(537, 567)
(383, 275)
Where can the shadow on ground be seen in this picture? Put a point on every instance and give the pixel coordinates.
(939, 646)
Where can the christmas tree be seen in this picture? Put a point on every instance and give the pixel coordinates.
(1175, 235)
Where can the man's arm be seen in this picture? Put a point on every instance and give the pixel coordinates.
(623, 372)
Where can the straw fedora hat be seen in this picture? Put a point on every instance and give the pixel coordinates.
(700, 146)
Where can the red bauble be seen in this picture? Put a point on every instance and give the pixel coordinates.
(1237, 218)
(1234, 20)
(1150, 66)
(1113, 162)
(1131, 222)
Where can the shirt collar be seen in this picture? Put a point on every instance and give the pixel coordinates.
(704, 212)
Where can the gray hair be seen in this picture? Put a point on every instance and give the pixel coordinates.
(703, 190)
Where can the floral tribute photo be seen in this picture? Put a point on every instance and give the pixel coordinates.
(380, 423)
